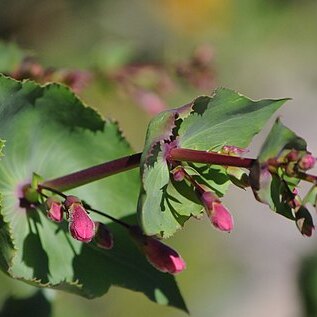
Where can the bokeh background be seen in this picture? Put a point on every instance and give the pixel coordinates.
(261, 48)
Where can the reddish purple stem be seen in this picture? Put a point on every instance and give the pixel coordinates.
(93, 173)
(101, 171)
(178, 154)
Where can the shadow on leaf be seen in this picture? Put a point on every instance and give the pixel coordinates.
(124, 266)
(34, 255)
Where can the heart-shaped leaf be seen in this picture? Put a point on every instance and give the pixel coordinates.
(274, 190)
(50, 132)
(226, 118)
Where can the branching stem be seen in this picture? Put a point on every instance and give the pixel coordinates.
(126, 163)
(120, 222)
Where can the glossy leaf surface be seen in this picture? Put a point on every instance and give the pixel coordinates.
(208, 123)
(49, 131)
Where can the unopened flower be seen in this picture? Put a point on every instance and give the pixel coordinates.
(218, 214)
(70, 199)
(293, 156)
(178, 174)
(55, 209)
(81, 227)
(161, 256)
(103, 236)
(306, 162)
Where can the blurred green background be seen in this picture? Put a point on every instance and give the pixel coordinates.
(261, 48)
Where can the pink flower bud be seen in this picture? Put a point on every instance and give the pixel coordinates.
(103, 236)
(178, 174)
(208, 198)
(70, 199)
(55, 209)
(217, 212)
(292, 156)
(307, 162)
(81, 227)
(161, 256)
(220, 217)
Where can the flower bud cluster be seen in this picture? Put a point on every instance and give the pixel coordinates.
(297, 161)
(81, 226)
(290, 163)
(84, 229)
(218, 214)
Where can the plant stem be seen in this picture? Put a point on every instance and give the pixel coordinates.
(197, 186)
(179, 154)
(120, 222)
(307, 177)
(93, 173)
(103, 170)
(53, 190)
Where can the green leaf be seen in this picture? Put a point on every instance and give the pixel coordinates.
(274, 192)
(304, 221)
(275, 189)
(311, 197)
(162, 128)
(162, 196)
(48, 131)
(280, 138)
(2, 142)
(238, 176)
(225, 118)
(207, 123)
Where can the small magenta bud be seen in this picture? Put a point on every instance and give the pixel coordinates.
(178, 174)
(221, 217)
(161, 256)
(103, 236)
(218, 214)
(70, 199)
(292, 156)
(208, 198)
(81, 227)
(55, 209)
(306, 162)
